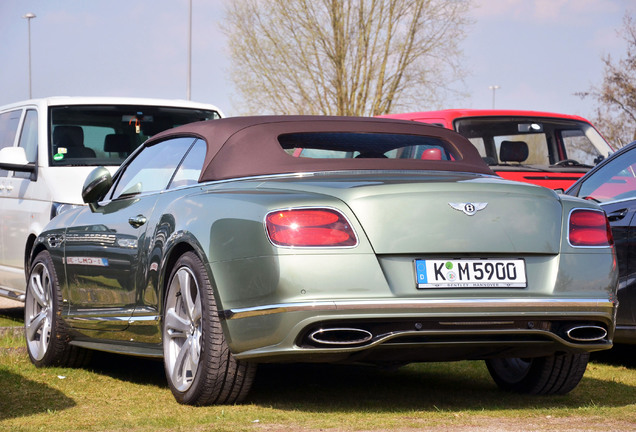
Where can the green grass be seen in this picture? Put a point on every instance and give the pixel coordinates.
(130, 394)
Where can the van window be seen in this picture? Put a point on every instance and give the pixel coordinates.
(540, 141)
(107, 134)
(578, 145)
(537, 147)
(8, 128)
(29, 140)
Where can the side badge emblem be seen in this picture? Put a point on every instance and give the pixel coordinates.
(468, 208)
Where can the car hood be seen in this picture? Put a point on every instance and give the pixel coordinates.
(444, 213)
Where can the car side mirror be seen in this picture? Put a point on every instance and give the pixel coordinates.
(14, 159)
(96, 185)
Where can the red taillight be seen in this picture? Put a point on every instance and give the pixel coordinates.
(309, 227)
(589, 228)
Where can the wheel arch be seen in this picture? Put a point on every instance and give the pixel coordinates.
(30, 253)
(171, 257)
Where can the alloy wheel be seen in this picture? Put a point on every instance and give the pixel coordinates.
(39, 311)
(183, 329)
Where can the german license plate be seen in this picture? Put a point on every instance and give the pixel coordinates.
(470, 273)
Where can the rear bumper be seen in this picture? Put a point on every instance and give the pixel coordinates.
(410, 330)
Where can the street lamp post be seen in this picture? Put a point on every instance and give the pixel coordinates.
(189, 82)
(29, 17)
(494, 89)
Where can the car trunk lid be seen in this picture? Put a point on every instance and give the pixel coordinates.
(449, 213)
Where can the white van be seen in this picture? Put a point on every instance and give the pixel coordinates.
(48, 147)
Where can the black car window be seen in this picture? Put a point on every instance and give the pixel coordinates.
(614, 181)
(190, 169)
(152, 168)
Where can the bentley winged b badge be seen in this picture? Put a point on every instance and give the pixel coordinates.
(468, 208)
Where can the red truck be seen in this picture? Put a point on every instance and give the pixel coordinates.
(547, 149)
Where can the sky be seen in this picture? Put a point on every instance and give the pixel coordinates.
(539, 52)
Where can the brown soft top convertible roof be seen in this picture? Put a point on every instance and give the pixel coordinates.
(249, 146)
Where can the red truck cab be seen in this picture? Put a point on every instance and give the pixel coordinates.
(547, 149)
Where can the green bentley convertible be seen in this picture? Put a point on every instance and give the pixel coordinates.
(223, 244)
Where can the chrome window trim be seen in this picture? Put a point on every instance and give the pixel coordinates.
(306, 174)
(617, 201)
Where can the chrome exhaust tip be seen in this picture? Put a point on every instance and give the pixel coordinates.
(586, 333)
(341, 336)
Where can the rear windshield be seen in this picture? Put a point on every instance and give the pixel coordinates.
(534, 141)
(348, 145)
(107, 134)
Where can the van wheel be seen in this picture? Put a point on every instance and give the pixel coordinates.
(556, 374)
(199, 366)
(46, 334)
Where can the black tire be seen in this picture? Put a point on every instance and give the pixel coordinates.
(45, 331)
(199, 366)
(556, 374)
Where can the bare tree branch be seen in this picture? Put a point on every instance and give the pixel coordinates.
(616, 96)
(356, 57)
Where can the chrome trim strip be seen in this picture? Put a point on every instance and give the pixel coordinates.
(135, 319)
(102, 318)
(422, 304)
(12, 295)
(306, 174)
(75, 318)
(615, 201)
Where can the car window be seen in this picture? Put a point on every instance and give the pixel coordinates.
(8, 129)
(347, 145)
(190, 169)
(538, 153)
(578, 145)
(107, 134)
(152, 169)
(29, 140)
(478, 142)
(504, 140)
(615, 180)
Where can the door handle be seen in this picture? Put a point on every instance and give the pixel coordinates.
(617, 215)
(137, 221)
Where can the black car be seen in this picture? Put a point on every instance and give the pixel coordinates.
(612, 184)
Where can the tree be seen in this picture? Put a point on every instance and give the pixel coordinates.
(356, 57)
(616, 96)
